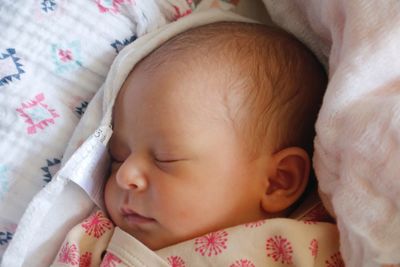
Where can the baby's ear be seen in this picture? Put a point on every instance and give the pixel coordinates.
(287, 180)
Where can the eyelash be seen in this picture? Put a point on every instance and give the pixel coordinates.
(165, 161)
(156, 159)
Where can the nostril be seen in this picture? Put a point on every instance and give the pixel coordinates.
(138, 183)
(133, 186)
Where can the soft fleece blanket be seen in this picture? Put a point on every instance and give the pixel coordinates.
(357, 148)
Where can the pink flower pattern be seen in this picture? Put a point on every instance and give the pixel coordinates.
(110, 260)
(254, 224)
(37, 114)
(85, 260)
(314, 248)
(242, 263)
(111, 6)
(69, 254)
(211, 244)
(97, 224)
(280, 249)
(65, 55)
(176, 261)
(178, 13)
(335, 261)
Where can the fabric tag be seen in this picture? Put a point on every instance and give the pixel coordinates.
(88, 167)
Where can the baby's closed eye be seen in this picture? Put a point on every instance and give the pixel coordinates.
(168, 161)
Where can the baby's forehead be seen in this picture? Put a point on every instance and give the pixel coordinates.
(224, 61)
(205, 74)
(191, 87)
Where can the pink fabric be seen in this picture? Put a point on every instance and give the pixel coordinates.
(305, 242)
(357, 149)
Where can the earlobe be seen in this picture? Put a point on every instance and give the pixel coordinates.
(287, 180)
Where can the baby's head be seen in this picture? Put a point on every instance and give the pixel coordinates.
(210, 131)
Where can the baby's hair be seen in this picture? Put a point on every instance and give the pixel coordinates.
(274, 84)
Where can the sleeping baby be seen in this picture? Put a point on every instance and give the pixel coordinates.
(210, 151)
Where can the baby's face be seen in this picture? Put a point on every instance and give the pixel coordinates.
(178, 168)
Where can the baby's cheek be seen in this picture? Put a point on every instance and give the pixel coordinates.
(110, 194)
(190, 218)
(185, 216)
(174, 213)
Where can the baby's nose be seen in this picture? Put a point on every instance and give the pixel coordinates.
(131, 175)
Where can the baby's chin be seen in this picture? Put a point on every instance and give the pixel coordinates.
(158, 237)
(157, 240)
(154, 240)
(158, 243)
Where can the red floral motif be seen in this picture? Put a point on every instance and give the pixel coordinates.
(335, 261)
(110, 260)
(176, 261)
(242, 263)
(212, 243)
(255, 224)
(317, 214)
(110, 5)
(69, 254)
(279, 249)
(85, 260)
(65, 55)
(314, 248)
(178, 13)
(97, 224)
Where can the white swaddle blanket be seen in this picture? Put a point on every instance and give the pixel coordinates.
(63, 203)
(357, 148)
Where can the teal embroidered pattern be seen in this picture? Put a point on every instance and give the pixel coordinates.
(4, 180)
(66, 57)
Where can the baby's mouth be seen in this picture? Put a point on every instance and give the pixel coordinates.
(133, 217)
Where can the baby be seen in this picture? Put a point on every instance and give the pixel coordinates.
(211, 130)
